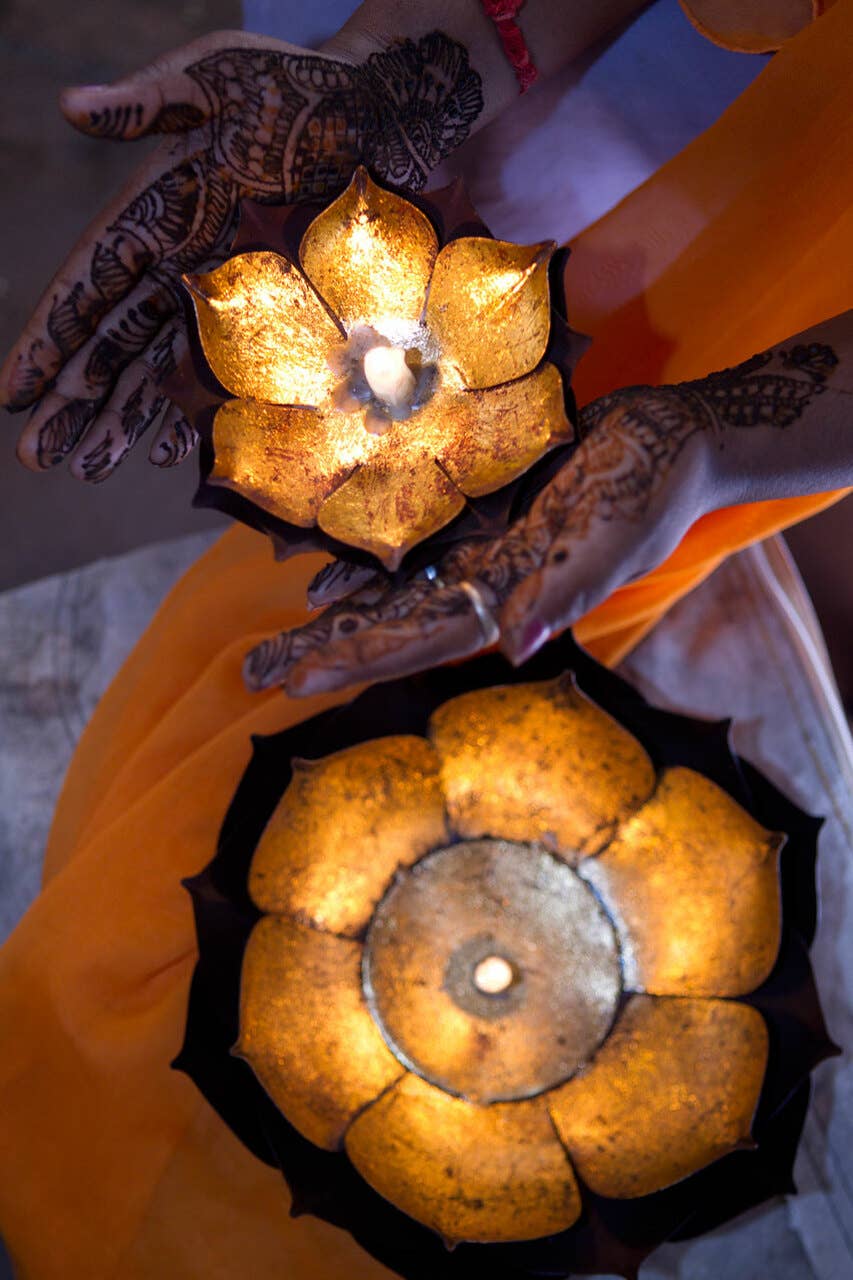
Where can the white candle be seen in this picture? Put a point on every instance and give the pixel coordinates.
(493, 975)
(388, 376)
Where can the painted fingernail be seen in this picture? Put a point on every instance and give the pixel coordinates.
(521, 646)
(305, 680)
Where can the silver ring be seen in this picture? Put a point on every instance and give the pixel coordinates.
(488, 624)
(432, 575)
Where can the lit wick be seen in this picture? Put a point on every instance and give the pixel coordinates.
(389, 377)
(493, 975)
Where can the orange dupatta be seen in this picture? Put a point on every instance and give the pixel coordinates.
(112, 1165)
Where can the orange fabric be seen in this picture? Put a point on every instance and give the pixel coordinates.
(110, 1164)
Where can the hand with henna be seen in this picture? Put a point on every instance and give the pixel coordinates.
(651, 462)
(240, 116)
(402, 84)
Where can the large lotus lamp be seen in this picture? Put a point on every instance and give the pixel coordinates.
(515, 973)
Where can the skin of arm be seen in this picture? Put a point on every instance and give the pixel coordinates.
(652, 461)
(242, 116)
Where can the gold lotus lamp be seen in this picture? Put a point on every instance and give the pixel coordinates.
(380, 382)
(504, 969)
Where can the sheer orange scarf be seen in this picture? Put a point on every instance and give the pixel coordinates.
(112, 1165)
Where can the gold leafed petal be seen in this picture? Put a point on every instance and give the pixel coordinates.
(693, 881)
(370, 254)
(500, 432)
(468, 1172)
(568, 772)
(489, 306)
(286, 460)
(673, 1088)
(305, 1030)
(391, 504)
(265, 333)
(343, 827)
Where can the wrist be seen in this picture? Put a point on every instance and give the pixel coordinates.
(377, 25)
(717, 456)
(778, 424)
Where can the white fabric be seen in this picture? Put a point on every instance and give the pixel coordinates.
(747, 644)
(63, 639)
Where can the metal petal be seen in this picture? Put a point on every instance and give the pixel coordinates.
(489, 306)
(692, 881)
(343, 827)
(285, 459)
(500, 432)
(674, 1088)
(265, 333)
(392, 503)
(567, 772)
(469, 1172)
(370, 254)
(305, 1031)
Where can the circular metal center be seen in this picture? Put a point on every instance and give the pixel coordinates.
(492, 969)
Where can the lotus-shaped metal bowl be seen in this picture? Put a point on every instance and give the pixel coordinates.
(514, 969)
(381, 381)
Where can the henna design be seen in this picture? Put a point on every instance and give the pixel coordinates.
(177, 117)
(137, 416)
(250, 138)
(61, 432)
(114, 122)
(430, 96)
(400, 112)
(632, 440)
(176, 441)
(70, 321)
(268, 664)
(97, 464)
(338, 581)
(122, 340)
(279, 126)
(750, 396)
(127, 120)
(406, 614)
(140, 409)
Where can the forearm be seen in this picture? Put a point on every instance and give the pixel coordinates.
(781, 424)
(556, 32)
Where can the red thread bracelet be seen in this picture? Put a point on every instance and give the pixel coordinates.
(503, 14)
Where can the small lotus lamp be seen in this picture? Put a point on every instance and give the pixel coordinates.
(509, 971)
(380, 382)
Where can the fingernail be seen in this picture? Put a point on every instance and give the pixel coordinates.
(303, 681)
(521, 646)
